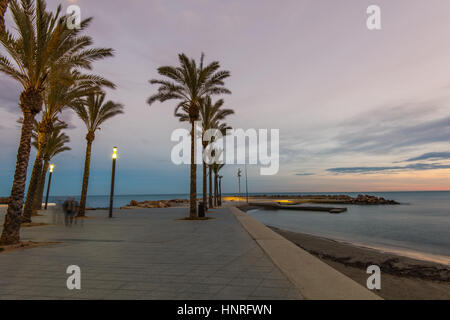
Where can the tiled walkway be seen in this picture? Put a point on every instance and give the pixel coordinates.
(143, 254)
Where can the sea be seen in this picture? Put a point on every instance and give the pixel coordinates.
(419, 227)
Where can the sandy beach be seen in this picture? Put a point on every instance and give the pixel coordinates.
(402, 277)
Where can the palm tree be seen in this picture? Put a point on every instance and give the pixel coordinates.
(93, 111)
(56, 144)
(223, 128)
(213, 169)
(216, 168)
(189, 83)
(210, 198)
(220, 190)
(43, 42)
(57, 96)
(211, 114)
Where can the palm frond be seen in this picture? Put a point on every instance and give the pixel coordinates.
(189, 82)
(94, 111)
(57, 143)
(42, 43)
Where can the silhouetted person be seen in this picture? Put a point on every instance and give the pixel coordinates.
(70, 207)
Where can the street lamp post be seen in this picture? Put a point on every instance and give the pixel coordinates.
(113, 175)
(239, 182)
(52, 166)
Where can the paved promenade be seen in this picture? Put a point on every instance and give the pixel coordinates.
(143, 254)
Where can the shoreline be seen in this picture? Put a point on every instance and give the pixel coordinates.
(401, 277)
(421, 256)
(382, 248)
(406, 253)
(353, 254)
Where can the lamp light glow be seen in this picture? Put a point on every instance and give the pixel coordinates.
(51, 167)
(114, 156)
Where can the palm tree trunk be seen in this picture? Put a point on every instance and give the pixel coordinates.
(87, 163)
(37, 204)
(215, 189)
(35, 175)
(193, 188)
(3, 7)
(210, 188)
(220, 192)
(11, 227)
(205, 185)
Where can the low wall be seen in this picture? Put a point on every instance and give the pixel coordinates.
(312, 277)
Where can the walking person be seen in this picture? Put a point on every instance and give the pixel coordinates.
(70, 210)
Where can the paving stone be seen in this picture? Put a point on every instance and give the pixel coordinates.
(143, 254)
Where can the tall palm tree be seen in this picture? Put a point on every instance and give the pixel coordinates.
(223, 128)
(56, 144)
(188, 83)
(210, 198)
(216, 168)
(210, 114)
(220, 190)
(57, 96)
(93, 111)
(3, 7)
(215, 153)
(43, 41)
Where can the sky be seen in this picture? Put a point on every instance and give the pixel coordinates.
(357, 109)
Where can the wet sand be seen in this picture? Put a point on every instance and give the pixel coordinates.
(401, 277)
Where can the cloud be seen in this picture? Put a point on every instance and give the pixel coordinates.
(391, 130)
(304, 174)
(431, 156)
(67, 116)
(9, 95)
(412, 167)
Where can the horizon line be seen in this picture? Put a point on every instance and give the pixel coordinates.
(235, 193)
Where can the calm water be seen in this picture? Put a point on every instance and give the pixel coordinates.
(420, 225)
